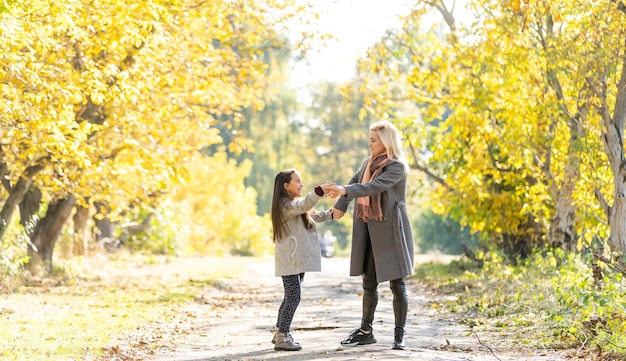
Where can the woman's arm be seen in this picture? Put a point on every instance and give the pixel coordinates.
(342, 203)
(392, 173)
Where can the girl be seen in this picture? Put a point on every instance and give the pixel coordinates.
(297, 246)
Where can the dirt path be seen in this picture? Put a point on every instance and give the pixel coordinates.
(232, 321)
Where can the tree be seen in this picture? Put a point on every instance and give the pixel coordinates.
(506, 117)
(105, 101)
(596, 58)
(468, 136)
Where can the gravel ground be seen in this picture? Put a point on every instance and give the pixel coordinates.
(233, 320)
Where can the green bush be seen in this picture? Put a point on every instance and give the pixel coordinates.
(13, 251)
(436, 233)
(549, 300)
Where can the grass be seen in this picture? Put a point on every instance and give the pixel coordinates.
(90, 304)
(75, 315)
(537, 304)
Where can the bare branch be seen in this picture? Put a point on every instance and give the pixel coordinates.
(447, 14)
(605, 206)
(482, 344)
(425, 170)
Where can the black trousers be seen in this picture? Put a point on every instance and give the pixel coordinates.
(293, 293)
(370, 294)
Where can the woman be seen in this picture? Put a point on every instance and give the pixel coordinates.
(382, 240)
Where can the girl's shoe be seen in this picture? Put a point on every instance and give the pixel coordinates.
(284, 342)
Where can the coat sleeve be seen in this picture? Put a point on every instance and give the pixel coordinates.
(320, 216)
(297, 207)
(343, 202)
(392, 173)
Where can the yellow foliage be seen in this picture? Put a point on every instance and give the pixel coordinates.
(497, 110)
(111, 97)
(220, 210)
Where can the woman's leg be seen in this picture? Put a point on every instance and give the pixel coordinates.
(370, 289)
(400, 301)
(400, 310)
(365, 334)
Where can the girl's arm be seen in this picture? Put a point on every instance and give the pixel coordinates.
(297, 207)
(321, 216)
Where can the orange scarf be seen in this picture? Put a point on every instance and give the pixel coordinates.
(369, 207)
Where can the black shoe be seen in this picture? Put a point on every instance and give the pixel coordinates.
(358, 337)
(398, 339)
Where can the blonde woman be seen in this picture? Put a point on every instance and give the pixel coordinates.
(382, 240)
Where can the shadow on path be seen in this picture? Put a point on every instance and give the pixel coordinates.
(233, 321)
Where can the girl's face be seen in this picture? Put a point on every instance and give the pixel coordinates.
(376, 146)
(294, 187)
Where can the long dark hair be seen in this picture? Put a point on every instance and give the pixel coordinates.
(278, 219)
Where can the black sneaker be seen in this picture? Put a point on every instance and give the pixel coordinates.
(358, 337)
(398, 339)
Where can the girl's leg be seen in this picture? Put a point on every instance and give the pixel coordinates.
(291, 300)
(282, 336)
(282, 305)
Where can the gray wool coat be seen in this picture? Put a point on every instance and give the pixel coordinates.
(392, 237)
(299, 250)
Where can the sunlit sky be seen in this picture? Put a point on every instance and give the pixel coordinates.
(357, 24)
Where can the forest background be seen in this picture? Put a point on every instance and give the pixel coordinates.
(158, 127)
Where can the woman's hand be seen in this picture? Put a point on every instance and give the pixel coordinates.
(335, 190)
(336, 214)
(330, 189)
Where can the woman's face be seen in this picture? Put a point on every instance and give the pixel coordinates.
(376, 146)
(294, 187)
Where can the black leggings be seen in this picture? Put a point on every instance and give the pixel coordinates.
(370, 294)
(291, 300)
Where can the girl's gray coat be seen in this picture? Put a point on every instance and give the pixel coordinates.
(299, 250)
(392, 238)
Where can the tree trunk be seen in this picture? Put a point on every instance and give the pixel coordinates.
(103, 223)
(28, 207)
(16, 195)
(613, 139)
(81, 233)
(562, 232)
(46, 232)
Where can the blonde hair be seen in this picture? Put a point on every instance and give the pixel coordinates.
(391, 139)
